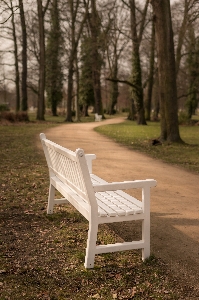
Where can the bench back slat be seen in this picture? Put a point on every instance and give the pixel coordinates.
(70, 167)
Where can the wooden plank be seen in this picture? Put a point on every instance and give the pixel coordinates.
(119, 247)
(107, 209)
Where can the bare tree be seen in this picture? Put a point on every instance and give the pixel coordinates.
(166, 70)
(54, 51)
(24, 94)
(96, 59)
(8, 32)
(136, 76)
(116, 42)
(41, 98)
(17, 77)
(151, 74)
(76, 27)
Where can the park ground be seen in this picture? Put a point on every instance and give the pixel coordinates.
(42, 256)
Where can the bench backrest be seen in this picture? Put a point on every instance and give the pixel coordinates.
(70, 167)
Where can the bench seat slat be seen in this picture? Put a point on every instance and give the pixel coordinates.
(101, 212)
(119, 193)
(118, 200)
(106, 208)
(122, 207)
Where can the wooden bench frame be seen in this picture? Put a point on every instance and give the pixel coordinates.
(97, 200)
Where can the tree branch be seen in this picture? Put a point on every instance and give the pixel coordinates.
(1, 23)
(122, 81)
(46, 7)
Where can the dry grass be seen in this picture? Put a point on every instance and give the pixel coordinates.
(42, 256)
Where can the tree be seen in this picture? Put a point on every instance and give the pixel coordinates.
(137, 101)
(166, 71)
(10, 33)
(24, 94)
(136, 76)
(96, 59)
(17, 76)
(41, 89)
(76, 28)
(54, 74)
(86, 95)
(115, 45)
(193, 72)
(151, 74)
(181, 34)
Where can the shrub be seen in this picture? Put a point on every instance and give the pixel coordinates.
(14, 117)
(8, 116)
(22, 116)
(183, 118)
(4, 107)
(125, 110)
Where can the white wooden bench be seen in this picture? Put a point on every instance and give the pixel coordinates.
(98, 118)
(97, 200)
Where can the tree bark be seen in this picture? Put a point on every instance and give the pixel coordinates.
(181, 36)
(75, 37)
(77, 116)
(54, 73)
(41, 90)
(17, 77)
(151, 75)
(94, 24)
(167, 73)
(114, 88)
(136, 77)
(193, 75)
(24, 94)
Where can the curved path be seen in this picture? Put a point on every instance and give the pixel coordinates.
(174, 202)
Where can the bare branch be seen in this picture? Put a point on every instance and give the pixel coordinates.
(122, 81)
(46, 7)
(1, 23)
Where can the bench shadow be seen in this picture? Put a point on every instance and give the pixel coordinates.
(172, 240)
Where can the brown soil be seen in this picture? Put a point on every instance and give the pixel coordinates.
(174, 202)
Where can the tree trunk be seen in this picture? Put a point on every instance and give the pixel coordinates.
(75, 37)
(17, 78)
(136, 77)
(41, 90)
(53, 72)
(166, 69)
(114, 96)
(24, 94)
(156, 99)
(193, 75)
(70, 92)
(77, 117)
(114, 84)
(94, 23)
(151, 75)
(181, 35)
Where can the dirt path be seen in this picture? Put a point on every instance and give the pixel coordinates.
(174, 202)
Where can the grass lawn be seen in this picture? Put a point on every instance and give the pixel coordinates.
(139, 138)
(41, 257)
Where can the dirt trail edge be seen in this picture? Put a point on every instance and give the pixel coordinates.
(174, 202)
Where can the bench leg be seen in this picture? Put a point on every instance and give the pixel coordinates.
(91, 246)
(51, 198)
(146, 239)
(146, 223)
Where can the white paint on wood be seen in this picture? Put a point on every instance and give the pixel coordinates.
(97, 200)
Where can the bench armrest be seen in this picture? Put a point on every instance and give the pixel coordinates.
(125, 185)
(89, 158)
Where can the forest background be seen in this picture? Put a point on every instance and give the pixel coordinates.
(69, 56)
